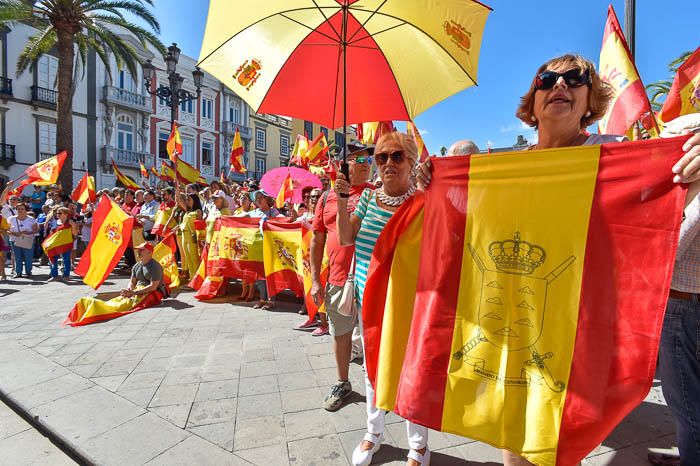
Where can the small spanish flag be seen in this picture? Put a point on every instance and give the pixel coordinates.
(422, 150)
(286, 191)
(174, 144)
(237, 162)
(123, 179)
(186, 173)
(164, 254)
(111, 231)
(684, 96)
(370, 132)
(304, 269)
(45, 173)
(58, 242)
(144, 172)
(317, 153)
(84, 192)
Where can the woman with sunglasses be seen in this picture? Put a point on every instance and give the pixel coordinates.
(396, 155)
(565, 97)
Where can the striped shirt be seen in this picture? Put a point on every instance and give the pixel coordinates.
(373, 218)
(686, 273)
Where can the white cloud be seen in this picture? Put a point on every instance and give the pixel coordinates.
(423, 132)
(517, 127)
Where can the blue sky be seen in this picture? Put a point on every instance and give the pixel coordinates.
(519, 36)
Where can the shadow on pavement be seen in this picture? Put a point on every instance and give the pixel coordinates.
(175, 304)
(6, 292)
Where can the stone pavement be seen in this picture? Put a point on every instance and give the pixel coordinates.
(211, 383)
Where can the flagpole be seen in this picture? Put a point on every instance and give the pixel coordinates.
(630, 25)
(344, 169)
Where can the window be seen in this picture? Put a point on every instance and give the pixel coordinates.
(47, 68)
(309, 129)
(340, 139)
(125, 133)
(186, 107)
(47, 138)
(188, 150)
(126, 81)
(162, 141)
(234, 112)
(260, 139)
(325, 132)
(284, 145)
(260, 167)
(207, 153)
(207, 105)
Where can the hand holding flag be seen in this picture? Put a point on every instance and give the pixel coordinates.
(174, 144)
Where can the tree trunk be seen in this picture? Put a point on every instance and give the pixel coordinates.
(64, 108)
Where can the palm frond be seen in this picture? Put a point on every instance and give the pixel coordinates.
(675, 64)
(36, 46)
(136, 8)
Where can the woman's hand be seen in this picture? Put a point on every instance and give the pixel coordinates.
(687, 169)
(342, 187)
(424, 173)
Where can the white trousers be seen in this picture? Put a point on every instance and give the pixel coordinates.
(417, 434)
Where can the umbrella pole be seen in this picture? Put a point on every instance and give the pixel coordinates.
(344, 169)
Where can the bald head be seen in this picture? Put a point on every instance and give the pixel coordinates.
(463, 147)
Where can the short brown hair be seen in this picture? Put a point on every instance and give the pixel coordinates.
(406, 141)
(598, 98)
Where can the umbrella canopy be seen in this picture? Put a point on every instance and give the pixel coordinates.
(271, 181)
(388, 59)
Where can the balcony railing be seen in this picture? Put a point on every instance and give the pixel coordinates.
(207, 170)
(7, 153)
(5, 86)
(230, 127)
(126, 158)
(46, 155)
(44, 96)
(126, 98)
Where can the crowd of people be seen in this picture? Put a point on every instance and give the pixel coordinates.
(566, 96)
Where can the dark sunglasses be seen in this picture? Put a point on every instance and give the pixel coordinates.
(362, 159)
(397, 157)
(572, 78)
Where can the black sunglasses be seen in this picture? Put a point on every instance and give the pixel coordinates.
(572, 78)
(397, 157)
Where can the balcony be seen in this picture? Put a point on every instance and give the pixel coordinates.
(5, 87)
(44, 97)
(7, 154)
(124, 98)
(229, 128)
(206, 170)
(126, 158)
(46, 155)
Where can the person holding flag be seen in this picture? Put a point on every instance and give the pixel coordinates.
(59, 243)
(23, 228)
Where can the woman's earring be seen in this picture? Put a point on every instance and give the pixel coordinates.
(532, 117)
(588, 113)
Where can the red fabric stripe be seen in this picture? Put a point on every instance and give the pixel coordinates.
(284, 280)
(629, 107)
(152, 299)
(210, 289)
(378, 279)
(421, 393)
(686, 73)
(372, 91)
(620, 316)
(58, 250)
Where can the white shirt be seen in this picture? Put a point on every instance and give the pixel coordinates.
(8, 211)
(26, 228)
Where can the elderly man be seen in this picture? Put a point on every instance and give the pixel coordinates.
(145, 289)
(463, 147)
(147, 214)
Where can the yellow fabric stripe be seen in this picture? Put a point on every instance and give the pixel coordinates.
(244, 244)
(617, 70)
(396, 327)
(282, 250)
(506, 317)
(105, 244)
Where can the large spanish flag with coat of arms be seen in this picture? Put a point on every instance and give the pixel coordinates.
(283, 257)
(236, 249)
(109, 238)
(520, 300)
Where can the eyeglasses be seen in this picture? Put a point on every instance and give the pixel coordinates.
(572, 78)
(397, 157)
(362, 159)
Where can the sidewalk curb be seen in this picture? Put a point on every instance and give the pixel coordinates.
(54, 437)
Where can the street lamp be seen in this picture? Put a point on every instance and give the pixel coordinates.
(174, 94)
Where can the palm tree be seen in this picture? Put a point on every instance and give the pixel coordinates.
(659, 90)
(78, 26)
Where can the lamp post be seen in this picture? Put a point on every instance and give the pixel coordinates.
(173, 94)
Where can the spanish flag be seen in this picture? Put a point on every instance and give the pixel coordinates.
(412, 130)
(84, 192)
(90, 310)
(534, 325)
(301, 146)
(58, 242)
(167, 173)
(111, 231)
(286, 191)
(304, 269)
(161, 226)
(236, 159)
(45, 173)
(684, 96)
(123, 179)
(370, 132)
(207, 286)
(618, 70)
(317, 152)
(174, 144)
(236, 249)
(144, 172)
(164, 254)
(283, 257)
(186, 173)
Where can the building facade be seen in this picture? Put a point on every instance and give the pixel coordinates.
(272, 143)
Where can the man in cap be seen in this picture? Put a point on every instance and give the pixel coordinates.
(146, 275)
(359, 158)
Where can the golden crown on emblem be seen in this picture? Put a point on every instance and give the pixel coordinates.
(516, 256)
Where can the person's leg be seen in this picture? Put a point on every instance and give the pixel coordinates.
(25, 258)
(342, 347)
(2, 266)
(679, 368)
(418, 442)
(340, 328)
(511, 459)
(53, 272)
(16, 263)
(67, 261)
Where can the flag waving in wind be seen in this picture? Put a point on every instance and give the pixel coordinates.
(418, 139)
(684, 96)
(125, 180)
(286, 192)
(144, 172)
(45, 173)
(236, 159)
(174, 144)
(85, 193)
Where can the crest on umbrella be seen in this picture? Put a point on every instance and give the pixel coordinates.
(248, 73)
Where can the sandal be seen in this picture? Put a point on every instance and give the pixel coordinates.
(260, 304)
(423, 460)
(362, 457)
(267, 306)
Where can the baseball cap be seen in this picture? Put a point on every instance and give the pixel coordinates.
(147, 246)
(219, 193)
(353, 147)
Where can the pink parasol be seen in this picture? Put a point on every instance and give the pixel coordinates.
(271, 181)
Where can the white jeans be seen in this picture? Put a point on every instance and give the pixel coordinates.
(417, 435)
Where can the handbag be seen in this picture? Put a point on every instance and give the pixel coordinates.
(347, 306)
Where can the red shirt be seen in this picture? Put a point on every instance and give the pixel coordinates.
(340, 257)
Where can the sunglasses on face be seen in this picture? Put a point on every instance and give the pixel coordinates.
(572, 78)
(397, 157)
(363, 159)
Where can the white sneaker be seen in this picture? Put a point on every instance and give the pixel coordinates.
(423, 460)
(362, 457)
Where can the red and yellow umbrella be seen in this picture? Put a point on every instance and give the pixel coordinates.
(344, 61)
